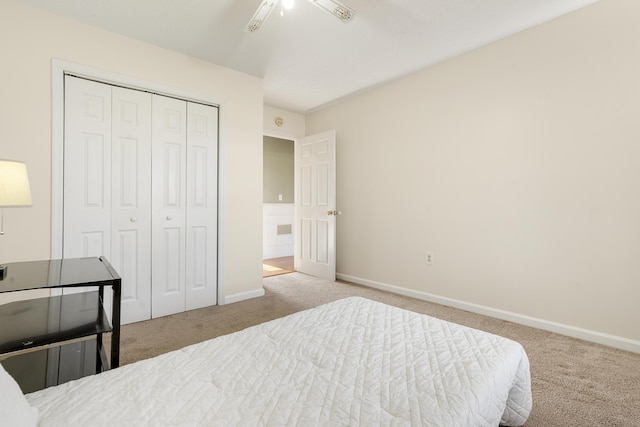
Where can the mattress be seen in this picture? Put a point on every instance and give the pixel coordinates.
(349, 362)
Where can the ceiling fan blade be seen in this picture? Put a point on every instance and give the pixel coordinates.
(336, 8)
(261, 15)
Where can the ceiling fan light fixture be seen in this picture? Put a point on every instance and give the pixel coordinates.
(288, 4)
(261, 15)
(334, 7)
(337, 9)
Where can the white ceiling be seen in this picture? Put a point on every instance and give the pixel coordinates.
(307, 57)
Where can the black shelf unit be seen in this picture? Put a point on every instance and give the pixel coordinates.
(28, 326)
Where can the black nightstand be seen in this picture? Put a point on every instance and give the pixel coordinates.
(58, 338)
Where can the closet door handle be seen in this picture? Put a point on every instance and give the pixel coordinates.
(169, 218)
(133, 219)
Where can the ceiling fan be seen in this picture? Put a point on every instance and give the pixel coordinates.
(334, 7)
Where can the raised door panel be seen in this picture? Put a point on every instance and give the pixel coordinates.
(201, 206)
(306, 239)
(306, 185)
(322, 241)
(131, 200)
(168, 219)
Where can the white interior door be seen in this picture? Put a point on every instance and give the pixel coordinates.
(202, 206)
(315, 199)
(131, 200)
(168, 204)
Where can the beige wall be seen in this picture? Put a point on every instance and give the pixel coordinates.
(518, 164)
(277, 170)
(31, 38)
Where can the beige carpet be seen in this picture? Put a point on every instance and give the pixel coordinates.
(575, 383)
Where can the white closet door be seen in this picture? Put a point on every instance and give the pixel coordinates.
(140, 187)
(202, 199)
(87, 172)
(168, 205)
(131, 200)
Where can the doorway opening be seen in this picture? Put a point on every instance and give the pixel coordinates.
(278, 206)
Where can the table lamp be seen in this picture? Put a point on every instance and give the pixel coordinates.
(14, 192)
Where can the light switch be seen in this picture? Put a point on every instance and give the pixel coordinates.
(280, 197)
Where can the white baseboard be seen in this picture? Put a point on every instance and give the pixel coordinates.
(277, 252)
(230, 299)
(559, 328)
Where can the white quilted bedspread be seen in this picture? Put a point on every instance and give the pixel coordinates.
(349, 362)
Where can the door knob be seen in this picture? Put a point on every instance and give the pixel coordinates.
(133, 219)
(332, 213)
(169, 218)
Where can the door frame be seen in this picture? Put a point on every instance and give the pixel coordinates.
(59, 68)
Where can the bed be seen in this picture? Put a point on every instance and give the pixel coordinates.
(349, 362)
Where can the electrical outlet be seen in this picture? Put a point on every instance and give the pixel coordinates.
(429, 258)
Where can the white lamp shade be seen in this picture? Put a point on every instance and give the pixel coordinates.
(14, 184)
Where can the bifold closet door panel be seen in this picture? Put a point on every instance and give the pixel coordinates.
(168, 219)
(202, 205)
(107, 186)
(131, 200)
(87, 170)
